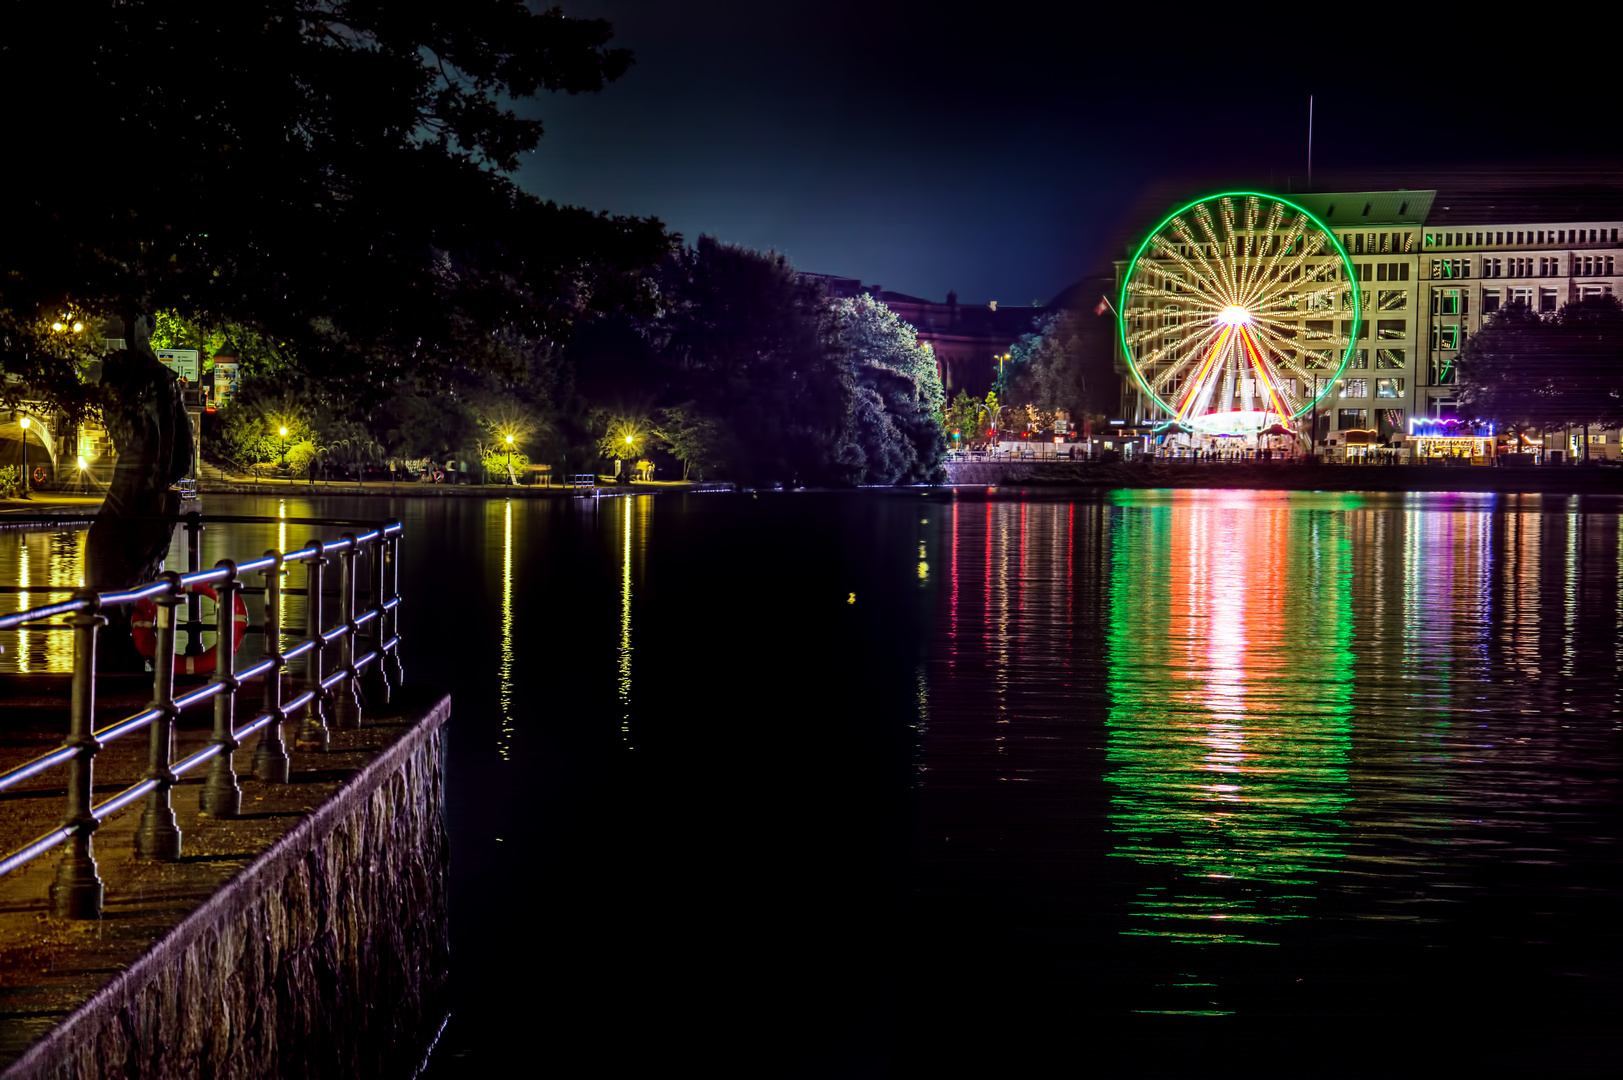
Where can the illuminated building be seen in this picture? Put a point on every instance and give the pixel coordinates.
(1431, 267)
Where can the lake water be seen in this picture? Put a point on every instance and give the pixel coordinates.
(873, 784)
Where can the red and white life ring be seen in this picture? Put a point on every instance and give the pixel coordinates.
(144, 629)
(39, 474)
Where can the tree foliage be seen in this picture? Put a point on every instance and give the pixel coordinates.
(756, 376)
(1565, 369)
(1064, 364)
(332, 182)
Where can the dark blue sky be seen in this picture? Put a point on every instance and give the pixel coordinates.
(1005, 150)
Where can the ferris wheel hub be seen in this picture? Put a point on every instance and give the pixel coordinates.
(1234, 315)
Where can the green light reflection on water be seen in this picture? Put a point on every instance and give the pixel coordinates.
(1230, 678)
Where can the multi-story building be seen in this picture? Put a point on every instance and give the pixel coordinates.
(1430, 269)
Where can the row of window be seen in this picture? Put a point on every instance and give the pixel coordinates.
(1385, 359)
(1359, 388)
(1530, 236)
(1582, 266)
(1377, 243)
(1398, 271)
(1390, 420)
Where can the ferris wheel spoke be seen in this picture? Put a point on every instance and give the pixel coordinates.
(1203, 218)
(1208, 272)
(1170, 251)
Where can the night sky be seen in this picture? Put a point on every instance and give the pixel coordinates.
(1005, 150)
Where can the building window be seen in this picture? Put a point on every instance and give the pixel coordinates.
(1363, 330)
(1546, 299)
(1391, 299)
(1352, 388)
(1359, 359)
(1522, 296)
(1390, 359)
(1350, 419)
(1445, 302)
(1363, 271)
(1446, 336)
(1490, 301)
(1388, 388)
(1391, 329)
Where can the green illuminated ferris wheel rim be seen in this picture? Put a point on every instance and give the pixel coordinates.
(1261, 347)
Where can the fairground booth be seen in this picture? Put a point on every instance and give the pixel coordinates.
(1447, 439)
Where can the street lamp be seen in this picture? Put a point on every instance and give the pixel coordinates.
(27, 422)
(510, 478)
(283, 432)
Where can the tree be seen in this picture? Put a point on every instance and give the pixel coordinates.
(748, 353)
(896, 437)
(1064, 365)
(1566, 369)
(329, 173)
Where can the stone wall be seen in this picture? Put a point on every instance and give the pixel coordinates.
(325, 957)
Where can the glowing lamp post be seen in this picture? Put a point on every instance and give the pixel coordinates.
(510, 460)
(27, 422)
(282, 431)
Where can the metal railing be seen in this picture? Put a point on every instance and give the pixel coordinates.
(77, 891)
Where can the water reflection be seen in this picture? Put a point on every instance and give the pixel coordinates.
(635, 514)
(504, 694)
(43, 567)
(1230, 676)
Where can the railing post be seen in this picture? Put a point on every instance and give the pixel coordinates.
(396, 673)
(347, 694)
(194, 600)
(221, 797)
(313, 733)
(77, 891)
(377, 684)
(157, 836)
(270, 756)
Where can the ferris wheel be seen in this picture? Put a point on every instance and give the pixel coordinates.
(1237, 314)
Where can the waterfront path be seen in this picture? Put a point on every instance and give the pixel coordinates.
(49, 967)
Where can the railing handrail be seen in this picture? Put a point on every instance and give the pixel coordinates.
(77, 892)
(203, 577)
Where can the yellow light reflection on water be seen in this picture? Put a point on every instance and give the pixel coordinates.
(24, 602)
(624, 687)
(504, 694)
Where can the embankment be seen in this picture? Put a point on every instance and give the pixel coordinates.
(307, 938)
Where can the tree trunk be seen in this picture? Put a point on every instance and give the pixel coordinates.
(146, 419)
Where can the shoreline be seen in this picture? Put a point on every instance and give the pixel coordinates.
(1281, 476)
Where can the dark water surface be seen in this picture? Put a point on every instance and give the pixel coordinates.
(895, 783)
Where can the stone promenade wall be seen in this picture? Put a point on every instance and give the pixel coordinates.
(325, 957)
